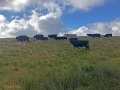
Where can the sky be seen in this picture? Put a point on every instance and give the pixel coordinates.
(31, 17)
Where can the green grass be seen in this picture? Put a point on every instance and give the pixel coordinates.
(56, 65)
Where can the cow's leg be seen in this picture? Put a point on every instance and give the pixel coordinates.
(87, 47)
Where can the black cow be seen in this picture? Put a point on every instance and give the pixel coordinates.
(52, 36)
(90, 35)
(60, 38)
(23, 38)
(108, 35)
(94, 35)
(39, 37)
(80, 43)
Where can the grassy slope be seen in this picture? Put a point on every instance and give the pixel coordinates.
(55, 65)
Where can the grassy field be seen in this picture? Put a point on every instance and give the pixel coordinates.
(56, 65)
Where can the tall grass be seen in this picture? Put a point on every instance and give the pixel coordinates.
(56, 65)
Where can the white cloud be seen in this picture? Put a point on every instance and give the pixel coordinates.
(14, 5)
(102, 28)
(49, 22)
(83, 4)
(2, 18)
(19, 5)
(81, 31)
(36, 23)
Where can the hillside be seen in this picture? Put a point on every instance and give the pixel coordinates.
(56, 65)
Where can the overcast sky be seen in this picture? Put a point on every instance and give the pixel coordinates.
(30, 17)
